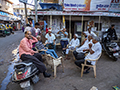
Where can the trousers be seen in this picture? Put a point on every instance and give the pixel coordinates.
(35, 59)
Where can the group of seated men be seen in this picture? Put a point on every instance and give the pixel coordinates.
(91, 44)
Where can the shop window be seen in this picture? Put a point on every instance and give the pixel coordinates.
(21, 11)
(17, 10)
(97, 26)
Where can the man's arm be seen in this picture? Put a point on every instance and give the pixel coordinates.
(84, 41)
(91, 51)
(64, 34)
(34, 39)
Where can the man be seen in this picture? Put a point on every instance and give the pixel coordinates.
(64, 39)
(72, 44)
(35, 30)
(50, 39)
(40, 46)
(87, 33)
(95, 50)
(79, 53)
(111, 31)
(27, 54)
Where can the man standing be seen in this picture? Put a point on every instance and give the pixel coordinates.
(27, 54)
(50, 39)
(111, 31)
(35, 30)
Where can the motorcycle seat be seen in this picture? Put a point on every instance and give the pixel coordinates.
(22, 63)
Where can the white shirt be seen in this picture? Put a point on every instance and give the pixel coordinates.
(97, 51)
(84, 46)
(50, 38)
(74, 42)
(87, 33)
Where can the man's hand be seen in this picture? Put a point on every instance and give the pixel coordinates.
(36, 52)
(90, 45)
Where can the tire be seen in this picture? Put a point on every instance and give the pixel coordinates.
(4, 35)
(115, 59)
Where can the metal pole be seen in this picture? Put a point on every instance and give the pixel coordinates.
(82, 24)
(99, 25)
(36, 17)
(51, 21)
(25, 12)
(70, 27)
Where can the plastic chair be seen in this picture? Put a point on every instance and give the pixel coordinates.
(93, 66)
(52, 61)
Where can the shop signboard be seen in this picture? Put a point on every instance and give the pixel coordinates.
(86, 5)
(115, 6)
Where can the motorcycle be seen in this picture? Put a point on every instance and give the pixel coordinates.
(110, 46)
(25, 74)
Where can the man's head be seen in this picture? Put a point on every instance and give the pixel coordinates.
(64, 29)
(28, 34)
(89, 29)
(75, 36)
(89, 37)
(37, 25)
(112, 26)
(39, 38)
(95, 39)
(49, 31)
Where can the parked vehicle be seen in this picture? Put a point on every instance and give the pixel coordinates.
(2, 32)
(25, 74)
(110, 46)
(7, 31)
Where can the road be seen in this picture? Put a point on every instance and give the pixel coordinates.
(7, 45)
(108, 71)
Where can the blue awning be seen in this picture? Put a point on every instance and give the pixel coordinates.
(51, 6)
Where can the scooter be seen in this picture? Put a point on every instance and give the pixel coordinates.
(25, 74)
(110, 47)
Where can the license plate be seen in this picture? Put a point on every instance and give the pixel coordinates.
(115, 54)
(25, 84)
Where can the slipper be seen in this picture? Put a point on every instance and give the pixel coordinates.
(116, 88)
(86, 72)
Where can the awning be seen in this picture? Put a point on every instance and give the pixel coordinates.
(77, 13)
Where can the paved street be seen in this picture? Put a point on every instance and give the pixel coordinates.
(108, 71)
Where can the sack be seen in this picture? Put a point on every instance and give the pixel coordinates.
(80, 56)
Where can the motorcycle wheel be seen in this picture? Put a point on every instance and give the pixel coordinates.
(4, 35)
(28, 88)
(115, 59)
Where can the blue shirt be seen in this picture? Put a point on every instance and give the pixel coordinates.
(63, 37)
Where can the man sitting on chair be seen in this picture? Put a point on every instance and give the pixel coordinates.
(50, 39)
(85, 45)
(95, 50)
(39, 45)
(72, 45)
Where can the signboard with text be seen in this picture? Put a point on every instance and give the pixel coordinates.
(115, 6)
(23, 1)
(86, 5)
